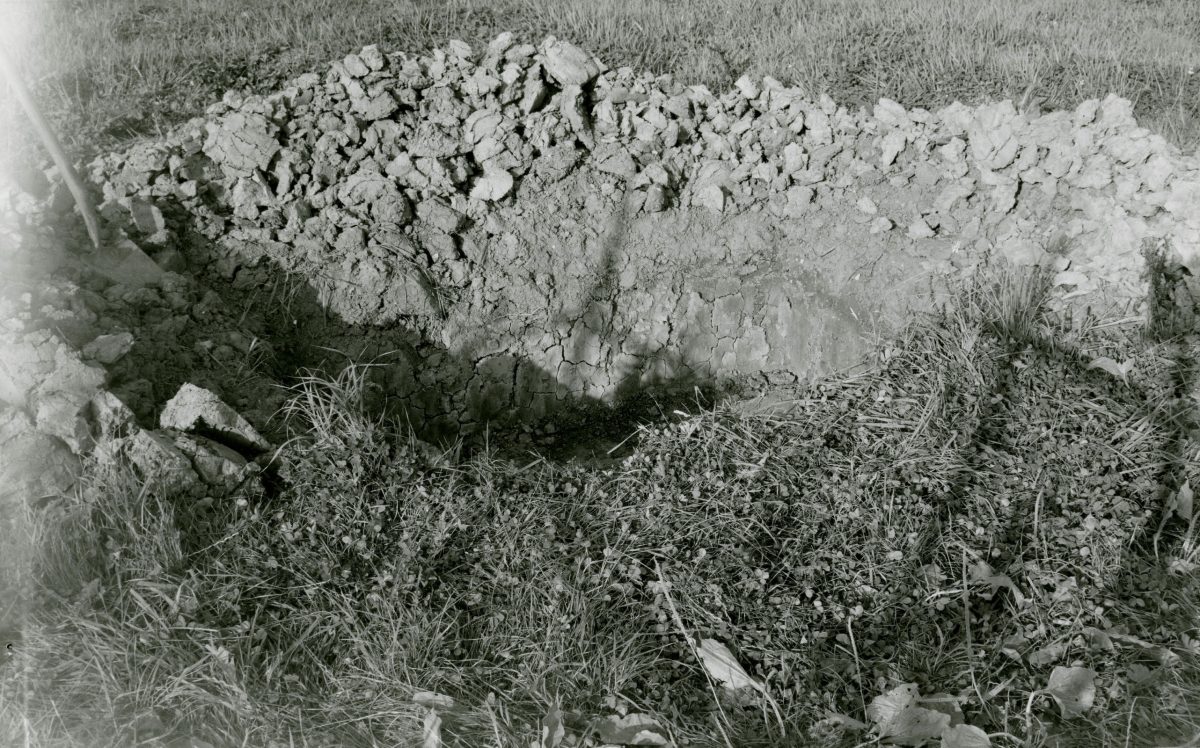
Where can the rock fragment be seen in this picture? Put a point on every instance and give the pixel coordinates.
(893, 145)
(567, 64)
(798, 200)
(614, 160)
(195, 409)
(216, 464)
(36, 466)
(156, 458)
(147, 217)
(656, 199)
(108, 349)
(493, 185)
(354, 65)
(242, 142)
(919, 229)
(110, 418)
(711, 196)
(747, 87)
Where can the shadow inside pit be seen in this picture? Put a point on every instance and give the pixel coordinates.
(411, 377)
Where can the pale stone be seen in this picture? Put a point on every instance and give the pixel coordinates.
(951, 194)
(372, 57)
(892, 113)
(656, 199)
(953, 150)
(355, 66)
(1085, 113)
(918, 229)
(459, 49)
(1156, 172)
(747, 87)
(216, 464)
(33, 465)
(1127, 150)
(108, 349)
(567, 64)
(492, 186)
(110, 417)
(710, 196)
(1004, 196)
(1184, 200)
(794, 158)
(1096, 174)
(60, 401)
(1059, 160)
(798, 200)
(146, 217)
(892, 146)
(818, 127)
(571, 106)
(196, 409)
(242, 142)
(158, 460)
(1116, 113)
(612, 159)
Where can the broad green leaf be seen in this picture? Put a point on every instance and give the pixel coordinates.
(915, 725)
(1098, 639)
(1138, 673)
(432, 730)
(723, 667)
(944, 703)
(1070, 278)
(884, 708)
(1047, 655)
(1117, 369)
(965, 736)
(1074, 688)
(1181, 502)
(632, 729)
(432, 699)
(1003, 580)
(553, 731)
(898, 718)
(847, 722)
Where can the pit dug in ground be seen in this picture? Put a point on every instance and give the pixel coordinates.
(577, 302)
(522, 230)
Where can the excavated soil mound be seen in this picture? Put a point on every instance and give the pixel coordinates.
(516, 232)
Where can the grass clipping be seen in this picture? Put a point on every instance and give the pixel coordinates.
(952, 547)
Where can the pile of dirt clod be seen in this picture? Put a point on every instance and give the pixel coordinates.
(515, 231)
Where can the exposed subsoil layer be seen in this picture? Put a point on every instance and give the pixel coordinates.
(515, 233)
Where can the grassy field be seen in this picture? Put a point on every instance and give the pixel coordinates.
(977, 514)
(110, 70)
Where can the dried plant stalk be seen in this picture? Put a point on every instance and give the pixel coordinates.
(74, 183)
